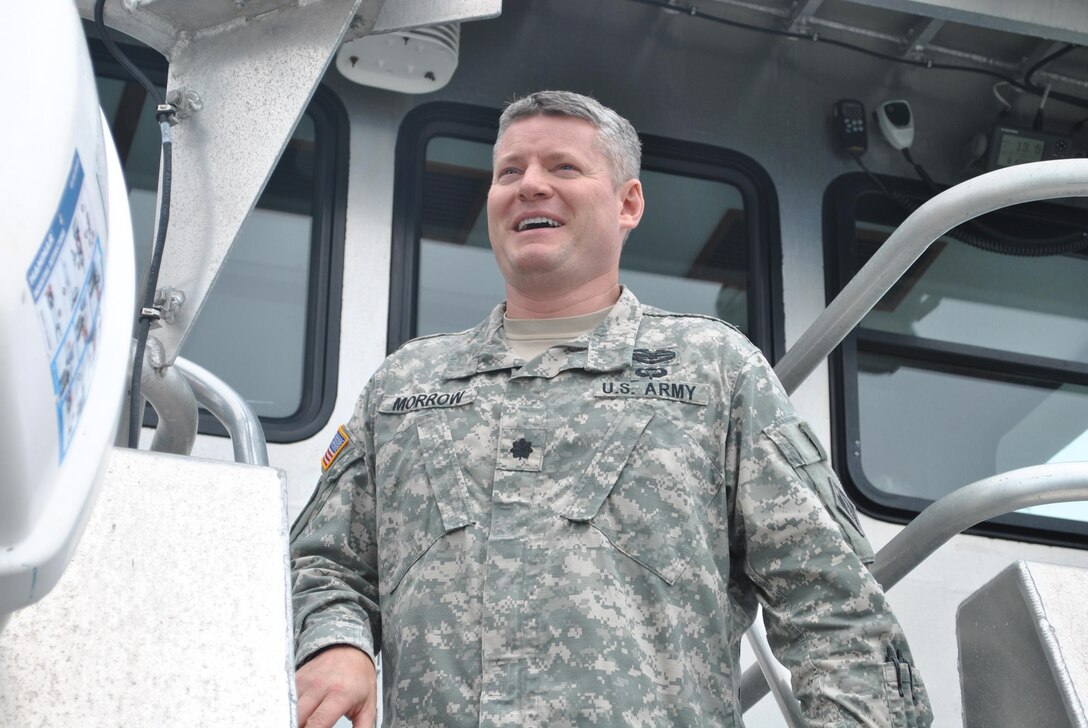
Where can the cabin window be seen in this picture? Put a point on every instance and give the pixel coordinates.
(703, 245)
(270, 324)
(973, 364)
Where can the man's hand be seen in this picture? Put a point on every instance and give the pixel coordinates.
(339, 681)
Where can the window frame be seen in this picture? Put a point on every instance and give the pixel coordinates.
(660, 154)
(840, 216)
(321, 343)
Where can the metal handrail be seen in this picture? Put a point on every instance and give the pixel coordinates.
(984, 499)
(173, 400)
(956, 205)
(951, 515)
(772, 676)
(228, 407)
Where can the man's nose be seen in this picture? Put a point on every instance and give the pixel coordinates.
(534, 183)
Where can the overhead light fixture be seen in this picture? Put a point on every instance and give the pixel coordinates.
(414, 61)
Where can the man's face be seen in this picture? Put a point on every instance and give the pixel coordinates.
(555, 218)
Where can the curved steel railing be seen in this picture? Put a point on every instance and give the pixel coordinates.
(956, 205)
(175, 391)
(228, 407)
(936, 525)
(984, 499)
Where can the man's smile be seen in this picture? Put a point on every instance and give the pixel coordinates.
(537, 222)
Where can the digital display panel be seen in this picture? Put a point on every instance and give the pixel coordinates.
(1016, 149)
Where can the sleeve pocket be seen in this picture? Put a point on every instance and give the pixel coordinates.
(860, 694)
(801, 448)
(797, 443)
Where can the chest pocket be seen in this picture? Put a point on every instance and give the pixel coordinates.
(646, 491)
(421, 496)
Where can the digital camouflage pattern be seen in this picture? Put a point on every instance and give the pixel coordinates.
(582, 540)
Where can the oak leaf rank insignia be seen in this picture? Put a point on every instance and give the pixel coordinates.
(522, 449)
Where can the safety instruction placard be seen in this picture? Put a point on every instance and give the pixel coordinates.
(66, 279)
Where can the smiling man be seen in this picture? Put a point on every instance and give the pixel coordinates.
(558, 213)
(567, 515)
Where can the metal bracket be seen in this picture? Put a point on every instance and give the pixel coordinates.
(800, 13)
(404, 14)
(1059, 21)
(921, 36)
(185, 101)
(256, 65)
(168, 302)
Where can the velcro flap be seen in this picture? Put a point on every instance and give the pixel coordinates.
(604, 470)
(443, 470)
(797, 442)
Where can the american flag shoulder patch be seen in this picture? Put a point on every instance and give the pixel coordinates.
(339, 442)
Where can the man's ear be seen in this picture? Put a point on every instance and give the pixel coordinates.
(631, 204)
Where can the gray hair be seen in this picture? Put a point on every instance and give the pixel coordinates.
(616, 138)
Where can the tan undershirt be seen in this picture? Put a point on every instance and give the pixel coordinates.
(529, 338)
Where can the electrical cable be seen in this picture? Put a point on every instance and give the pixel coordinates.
(164, 115)
(1037, 124)
(993, 240)
(120, 57)
(147, 310)
(1030, 85)
(1006, 107)
(1049, 58)
(922, 173)
(1064, 98)
(694, 12)
(1077, 239)
(990, 240)
(873, 177)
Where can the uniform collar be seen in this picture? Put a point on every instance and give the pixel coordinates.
(610, 344)
(608, 347)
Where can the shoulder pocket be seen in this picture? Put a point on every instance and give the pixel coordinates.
(646, 491)
(799, 445)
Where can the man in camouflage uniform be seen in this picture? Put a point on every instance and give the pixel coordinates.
(567, 515)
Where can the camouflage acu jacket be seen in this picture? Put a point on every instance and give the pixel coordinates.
(581, 540)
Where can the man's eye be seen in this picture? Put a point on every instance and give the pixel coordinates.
(507, 172)
(566, 168)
